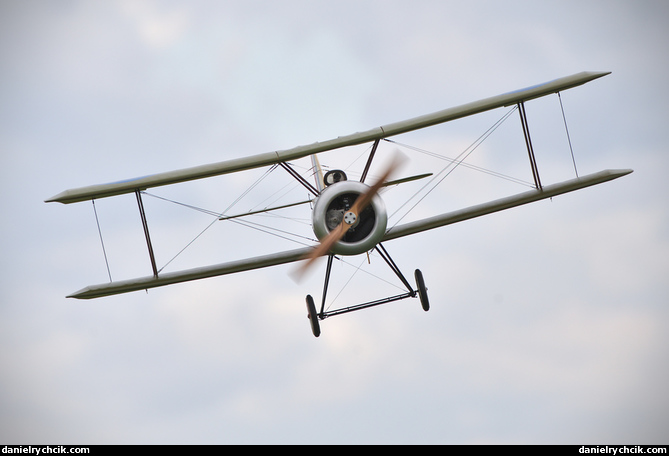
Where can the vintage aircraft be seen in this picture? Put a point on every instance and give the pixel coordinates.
(348, 217)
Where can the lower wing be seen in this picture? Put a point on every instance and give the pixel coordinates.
(144, 283)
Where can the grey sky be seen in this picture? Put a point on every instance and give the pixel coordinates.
(547, 322)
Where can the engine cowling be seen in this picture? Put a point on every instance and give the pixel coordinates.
(330, 208)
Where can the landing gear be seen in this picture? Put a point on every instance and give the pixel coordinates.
(422, 291)
(313, 316)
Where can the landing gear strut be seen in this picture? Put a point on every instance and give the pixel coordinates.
(420, 292)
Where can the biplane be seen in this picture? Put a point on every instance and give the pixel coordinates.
(348, 217)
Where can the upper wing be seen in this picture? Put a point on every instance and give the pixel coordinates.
(125, 286)
(269, 158)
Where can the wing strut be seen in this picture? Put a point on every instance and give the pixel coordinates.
(528, 142)
(369, 160)
(146, 233)
(299, 178)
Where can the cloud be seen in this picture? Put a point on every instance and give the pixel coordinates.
(157, 26)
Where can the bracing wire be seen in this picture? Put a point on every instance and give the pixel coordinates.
(214, 214)
(452, 165)
(104, 251)
(435, 181)
(217, 215)
(571, 149)
(357, 269)
(275, 231)
(188, 245)
(189, 206)
(463, 164)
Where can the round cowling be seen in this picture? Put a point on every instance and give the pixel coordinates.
(330, 208)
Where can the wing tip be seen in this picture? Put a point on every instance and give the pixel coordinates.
(56, 198)
(81, 294)
(620, 172)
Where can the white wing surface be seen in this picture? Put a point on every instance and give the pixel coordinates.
(96, 291)
(269, 158)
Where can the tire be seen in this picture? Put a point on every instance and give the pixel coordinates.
(313, 316)
(422, 290)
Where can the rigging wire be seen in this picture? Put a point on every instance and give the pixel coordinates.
(188, 245)
(248, 190)
(358, 268)
(453, 164)
(214, 214)
(189, 206)
(285, 190)
(364, 152)
(104, 251)
(299, 220)
(278, 195)
(461, 163)
(269, 230)
(571, 149)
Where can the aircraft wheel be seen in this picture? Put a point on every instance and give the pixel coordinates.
(313, 316)
(422, 290)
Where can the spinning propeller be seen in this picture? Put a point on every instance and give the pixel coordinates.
(350, 219)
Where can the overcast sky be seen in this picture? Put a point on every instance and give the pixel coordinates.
(548, 321)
